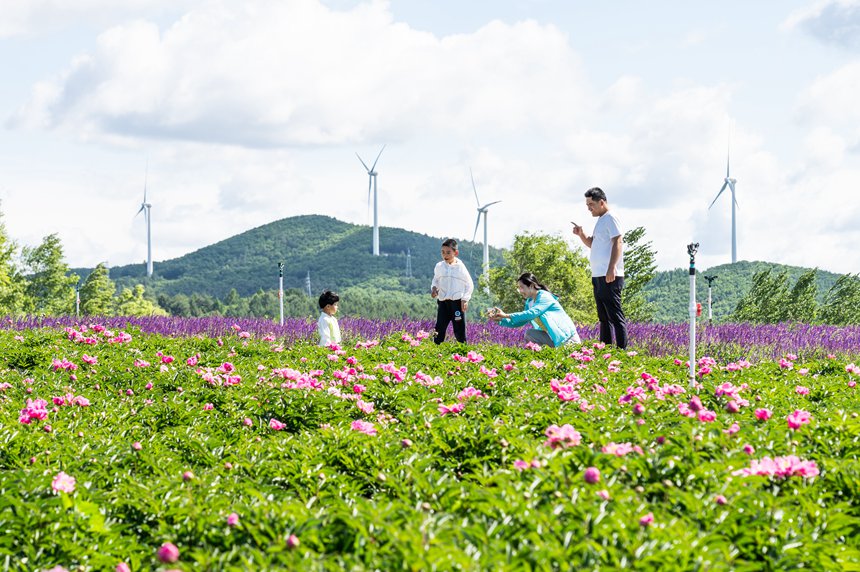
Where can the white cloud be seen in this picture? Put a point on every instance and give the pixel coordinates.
(252, 112)
(834, 22)
(264, 74)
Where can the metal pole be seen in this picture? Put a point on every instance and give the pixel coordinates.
(691, 250)
(710, 280)
(281, 289)
(78, 299)
(375, 220)
(486, 269)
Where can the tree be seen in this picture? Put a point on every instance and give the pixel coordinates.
(639, 269)
(564, 271)
(264, 304)
(97, 292)
(131, 302)
(802, 303)
(841, 306)
(50, 287)
(11, 281)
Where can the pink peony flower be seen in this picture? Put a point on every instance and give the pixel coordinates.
(604, 494)
(521, 465)
(749, 449)
(365, 406)
(276, 425)
(451, 409)
(293, 541)
(168, 553)
(136, 446)
(123, 567)
(780, 467)
(187, 476)
(720, 500)
(232, 519)
(763, 414)
(564, 436)
(647, 520)
(733, 429)
(591, 475)
(363, 427)
(706, 416)
(801, 390)
(63, 483)
(799, 418)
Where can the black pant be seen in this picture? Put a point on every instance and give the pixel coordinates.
(450, 312)
(609, 312)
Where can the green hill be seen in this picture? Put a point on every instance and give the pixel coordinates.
(669, 291)
(337, 255)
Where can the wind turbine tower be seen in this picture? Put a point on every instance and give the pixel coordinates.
(145, 209)
(729, 183)
(371, 184)
(482, 210)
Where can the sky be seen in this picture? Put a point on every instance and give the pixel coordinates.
(235, 114)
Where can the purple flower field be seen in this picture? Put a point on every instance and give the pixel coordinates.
(728, 341)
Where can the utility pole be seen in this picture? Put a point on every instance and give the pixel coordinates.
(710, 280)
(281, 289)
(408, 263)
(78, 299)
(691, 250)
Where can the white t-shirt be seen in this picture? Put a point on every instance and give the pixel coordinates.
(452, 280)
(607, 228)
(329, 329)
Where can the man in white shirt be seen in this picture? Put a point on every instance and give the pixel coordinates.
(607, 267)
(452, 287)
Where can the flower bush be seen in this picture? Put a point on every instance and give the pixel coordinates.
(126, 446)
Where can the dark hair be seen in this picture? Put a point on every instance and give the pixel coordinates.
(595, 194)
(328, 297)
(450, 243)
(529, 279)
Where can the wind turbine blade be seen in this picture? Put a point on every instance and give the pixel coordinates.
(488, 205)
(140, 211)
(362, 162)
(728, 159)
(377, 158)
(726, 184)
(369, 187)
(477, 224)
(474, 188)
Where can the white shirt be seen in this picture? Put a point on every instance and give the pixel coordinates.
(452, 280)
(329, 329)
(606, 228)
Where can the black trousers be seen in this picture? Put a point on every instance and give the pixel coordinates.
(449, 312)
(609, 311)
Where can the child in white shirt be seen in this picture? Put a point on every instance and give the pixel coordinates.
(452, 287)
(327, 324)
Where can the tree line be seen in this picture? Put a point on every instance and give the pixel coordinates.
(37, 280)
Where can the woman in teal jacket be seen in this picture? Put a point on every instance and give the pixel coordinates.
(551, 326)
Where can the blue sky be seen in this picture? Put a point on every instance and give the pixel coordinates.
(247, 112)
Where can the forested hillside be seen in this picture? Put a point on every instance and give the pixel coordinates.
(669, 291)
(337, 255)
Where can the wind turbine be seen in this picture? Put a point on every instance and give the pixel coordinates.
(371, 183)
(730, 183)
(482, 210)
(145, 208)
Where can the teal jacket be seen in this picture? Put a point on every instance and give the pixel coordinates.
(545, 314)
